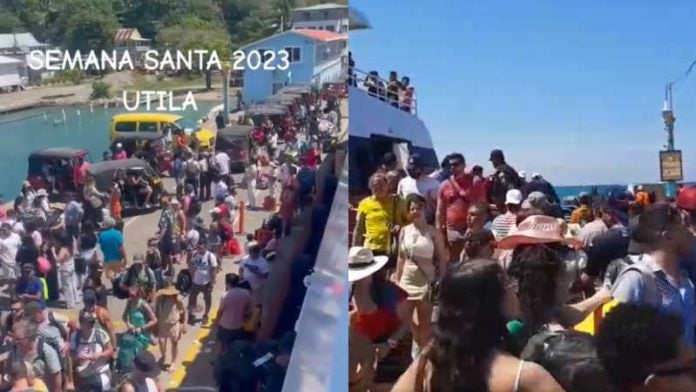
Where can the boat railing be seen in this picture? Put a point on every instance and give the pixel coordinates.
(377, 87)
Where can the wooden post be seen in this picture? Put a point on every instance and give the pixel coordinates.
(241, 217)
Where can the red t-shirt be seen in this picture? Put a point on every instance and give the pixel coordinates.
(224, 210)
(385, 320)
(455, 205)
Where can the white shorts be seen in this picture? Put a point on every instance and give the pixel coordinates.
(10, 271)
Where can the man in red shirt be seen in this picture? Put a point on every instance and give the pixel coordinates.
(456, 195)
(79, 173)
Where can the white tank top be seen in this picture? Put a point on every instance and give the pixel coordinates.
(148, 386)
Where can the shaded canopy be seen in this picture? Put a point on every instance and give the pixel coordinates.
(58, 152)
(103, 172)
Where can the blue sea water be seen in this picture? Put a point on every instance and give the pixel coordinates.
(26, 131)
(568, 191)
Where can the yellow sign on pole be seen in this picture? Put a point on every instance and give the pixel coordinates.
(671, 166)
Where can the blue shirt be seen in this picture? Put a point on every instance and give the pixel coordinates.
(32, 286)
(677, 296)
(110, 242)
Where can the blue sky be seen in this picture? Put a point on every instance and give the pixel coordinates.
(572, 89)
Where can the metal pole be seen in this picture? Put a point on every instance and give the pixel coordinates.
(671, 186)
(226, 95)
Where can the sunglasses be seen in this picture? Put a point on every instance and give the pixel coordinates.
(456, 163)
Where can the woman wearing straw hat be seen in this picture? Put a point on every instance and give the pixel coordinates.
(377, 320)
(171, 319)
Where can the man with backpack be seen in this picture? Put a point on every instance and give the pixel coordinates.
(141, 275)
(193, 171)
(53, 329)
(104, 320)
(93, 350)
(655, 276)
(44, 359)
(204, 268)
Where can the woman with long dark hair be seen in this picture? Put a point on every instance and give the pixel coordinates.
(62, 253)
(422, 259)
(470, 347)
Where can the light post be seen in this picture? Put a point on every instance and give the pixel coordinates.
(226, 67)
(669, 119)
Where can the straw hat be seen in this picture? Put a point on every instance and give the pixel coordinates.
(537, 229)
(362, 263)
(169, 287)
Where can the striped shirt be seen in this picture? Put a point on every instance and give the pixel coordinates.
(502, 225)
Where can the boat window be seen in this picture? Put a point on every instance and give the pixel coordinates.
(148, 127)
(125, 126)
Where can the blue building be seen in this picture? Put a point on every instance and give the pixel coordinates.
(316, 57)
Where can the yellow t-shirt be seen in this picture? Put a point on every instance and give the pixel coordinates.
(378, 217)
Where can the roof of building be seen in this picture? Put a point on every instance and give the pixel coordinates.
(327, 6)
(321, 35)
(19, 40)
(317, 35)
(123, 35)
(9, 60)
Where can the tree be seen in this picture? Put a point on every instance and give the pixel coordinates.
(10, 23)
(90, 29)
(194, 34)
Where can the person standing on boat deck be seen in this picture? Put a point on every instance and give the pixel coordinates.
(453, 203)
(504, 179)
(420, 183)
(393, 89)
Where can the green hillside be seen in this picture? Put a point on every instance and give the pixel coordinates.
(90, 24)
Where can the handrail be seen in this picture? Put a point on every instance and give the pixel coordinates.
(361, 79)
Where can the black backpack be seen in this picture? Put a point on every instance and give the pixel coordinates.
(195, 206)
(119, 292)
(183, 281)
(571, 358)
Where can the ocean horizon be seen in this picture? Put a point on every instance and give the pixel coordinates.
(573, 190)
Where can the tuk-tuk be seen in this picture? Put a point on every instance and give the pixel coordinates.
(52, 169)
(236, 142)
(151, 147)
(133, 189)
(273, 111)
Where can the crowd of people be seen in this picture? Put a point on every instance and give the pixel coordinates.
(487, 280)
(75, 257)
(396, 92)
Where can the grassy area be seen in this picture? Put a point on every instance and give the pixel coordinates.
(141, 82)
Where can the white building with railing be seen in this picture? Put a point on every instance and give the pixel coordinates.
(329, 17)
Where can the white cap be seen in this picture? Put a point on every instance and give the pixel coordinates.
(513, 196)
(119, 145)
(522, 174)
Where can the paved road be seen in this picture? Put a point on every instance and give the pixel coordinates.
(193, 370)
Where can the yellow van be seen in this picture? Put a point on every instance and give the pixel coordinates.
(163, 123)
